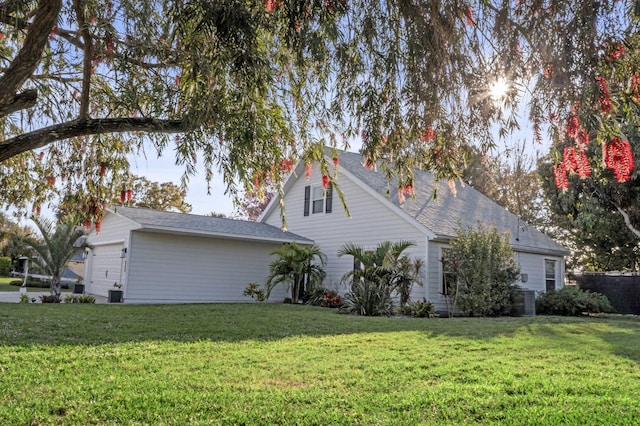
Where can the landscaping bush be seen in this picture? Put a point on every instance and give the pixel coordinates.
(35, 283)
(572, 301)
(368, 297)
(419, 309)
(82, 298)
(254, 291)
(50, 299)
(323, 297)
(5, 266)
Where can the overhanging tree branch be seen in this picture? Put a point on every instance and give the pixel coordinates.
(27, 60)
(39, 138)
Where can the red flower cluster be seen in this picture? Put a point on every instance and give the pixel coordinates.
(618, 156)
(469, 17)
(635, 86)
(573, 127)
(616, 53)
(286, 165)
(126, 195)
(560, 173)
(576, 161)
(326, 181)
(308, 168)
(605, 100)
(369, 164)
(336, 161)
(429, 135)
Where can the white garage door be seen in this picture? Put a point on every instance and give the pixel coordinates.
(106, 267)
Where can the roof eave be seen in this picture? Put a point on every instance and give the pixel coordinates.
(224, 235)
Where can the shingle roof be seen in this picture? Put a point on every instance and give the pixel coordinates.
(444, 215)
(206, 225)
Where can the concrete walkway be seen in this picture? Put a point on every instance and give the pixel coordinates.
(14, 296)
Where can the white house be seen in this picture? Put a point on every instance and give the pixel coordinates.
(377, 214)
(162, 257)
(166, 257)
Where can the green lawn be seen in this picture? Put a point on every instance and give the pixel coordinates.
(284, 364)
(4, 286)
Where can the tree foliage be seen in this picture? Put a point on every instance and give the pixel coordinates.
(56, 248)
(12, 236)
(295, 266)
(384, 272)
(245, 87)
(483, 263)
(165, 196)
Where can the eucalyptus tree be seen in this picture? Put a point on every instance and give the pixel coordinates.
(246, 87)
(56, 248)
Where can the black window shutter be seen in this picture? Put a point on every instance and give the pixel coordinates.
(307, 197)
(329, 201)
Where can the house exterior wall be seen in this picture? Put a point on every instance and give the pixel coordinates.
(371, 222)
(533, 265)
(172, 268)
(103, 266)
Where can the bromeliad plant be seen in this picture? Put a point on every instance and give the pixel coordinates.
(296, 267)
(384, 272)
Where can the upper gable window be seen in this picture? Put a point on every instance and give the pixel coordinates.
(318, 199)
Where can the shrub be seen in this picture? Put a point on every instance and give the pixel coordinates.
(82, 298)
(572, 301)
(321, 296)
(5, 266)
(485, 271)
(254, 291)
(24, 298)
(368, 297)
(420, 309)
(50, 299)
(35, 283)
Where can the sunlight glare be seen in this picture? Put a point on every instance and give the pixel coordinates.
(499, 89)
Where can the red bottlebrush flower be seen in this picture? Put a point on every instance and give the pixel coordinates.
(38, 210)
(270, 5)
(605, 101)
(286, 165)
(583, 139)
(129, 194)
(573, 126)
(108, 43)
(618, 156)
(576, 161)
(51, 180)
(87, 224)
(54, 32)
(41, 156)
(560, 174)
(104, 205)
(256, 182)
(635, 86)
(178, 79)
(336, 161)
(98, 226)
(308, 168)
(548, 71)
(428, 135)
(103, 169)
(325, 181)
(617, 52)
(369, 164)
(408, 189)
(123, 196)
(469, 17)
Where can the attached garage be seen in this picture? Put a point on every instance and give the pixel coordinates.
(166, 257)
(106, 266)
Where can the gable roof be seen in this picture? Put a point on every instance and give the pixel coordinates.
(182, 223)
(444, 215)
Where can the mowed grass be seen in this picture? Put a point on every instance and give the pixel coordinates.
(283, 364)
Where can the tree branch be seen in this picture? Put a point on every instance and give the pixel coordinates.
(627, 221)
(21, 101)
(28, 58)
(39, 138)
(86, 65)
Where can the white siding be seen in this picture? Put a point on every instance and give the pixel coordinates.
(533, 265)
(371, 222)
(169, 268)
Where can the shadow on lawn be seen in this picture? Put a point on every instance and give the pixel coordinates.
(22, 325)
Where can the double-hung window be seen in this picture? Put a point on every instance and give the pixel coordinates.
(318, 199)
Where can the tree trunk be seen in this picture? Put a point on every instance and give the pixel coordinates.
(56, 288)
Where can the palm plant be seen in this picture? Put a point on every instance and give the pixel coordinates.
(56, 248)
(384, 270)
(296, 266)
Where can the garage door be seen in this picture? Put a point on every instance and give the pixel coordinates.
(106, 267)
